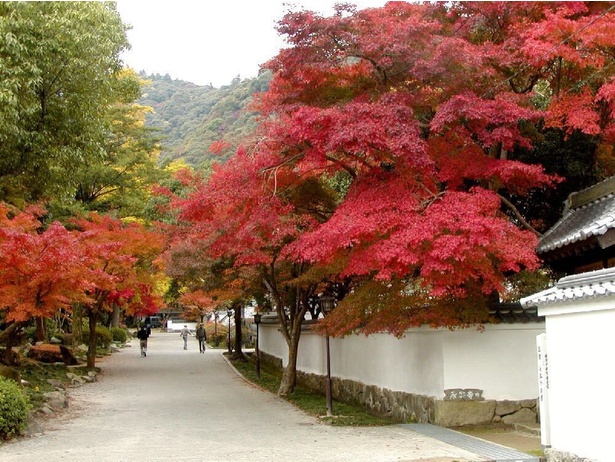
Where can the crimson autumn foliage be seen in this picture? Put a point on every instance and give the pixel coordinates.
(386, 161)
(422, 106)
(121, 257)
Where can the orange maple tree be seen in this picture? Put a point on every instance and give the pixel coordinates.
(41, 271)
(121, 269)
(100, 263)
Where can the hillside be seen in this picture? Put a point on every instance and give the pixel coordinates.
(191, 117)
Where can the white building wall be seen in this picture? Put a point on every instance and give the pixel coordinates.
(501, 360)
(580, 349)
(271, 341)
(179, 325)
(412, 363)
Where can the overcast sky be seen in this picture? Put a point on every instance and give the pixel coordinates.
(209, 41)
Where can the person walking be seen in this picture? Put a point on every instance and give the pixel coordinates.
(185, 332)
(143, 335)
(201, 336)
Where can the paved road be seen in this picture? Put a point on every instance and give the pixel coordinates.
(178, 405)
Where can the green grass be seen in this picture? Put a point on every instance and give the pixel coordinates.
(311, 402)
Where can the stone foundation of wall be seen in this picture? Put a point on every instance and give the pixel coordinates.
(557, 456)
(270, 359)
(409, 407)
(400, 406)
(467, 412)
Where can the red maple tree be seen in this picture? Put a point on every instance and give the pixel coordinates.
(198, 303)
(421, 107)
(412, 114)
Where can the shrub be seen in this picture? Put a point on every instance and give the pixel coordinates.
(29, 334)
(14, 408)
(103, 337)
(217, 335)
(119, 335)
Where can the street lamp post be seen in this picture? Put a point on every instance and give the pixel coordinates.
(327, 304)
(216, 341)
(229, 313)
(257, 321)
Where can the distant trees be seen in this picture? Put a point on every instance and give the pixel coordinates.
(193, 118)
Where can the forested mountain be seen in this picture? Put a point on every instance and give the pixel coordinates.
(191, 117)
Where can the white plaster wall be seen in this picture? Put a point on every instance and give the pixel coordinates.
(411, 364)
(179, 325)
(580, 349)
(501, 360)
(271, 341)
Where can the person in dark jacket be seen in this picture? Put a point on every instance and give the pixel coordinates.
(201, 336)
(143, 335)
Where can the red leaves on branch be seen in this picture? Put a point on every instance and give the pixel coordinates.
(446, 241)
(239, 213)
(491, 122)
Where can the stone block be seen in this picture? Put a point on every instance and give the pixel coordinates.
(504, 408)
(524, 415)
(56, 399)
(460, 413)
(529, 403)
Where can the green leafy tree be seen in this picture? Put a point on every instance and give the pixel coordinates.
(121, 178)
(59, 62)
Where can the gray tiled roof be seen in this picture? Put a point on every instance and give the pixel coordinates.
(593, 284)
(514, 313)
(588, 213)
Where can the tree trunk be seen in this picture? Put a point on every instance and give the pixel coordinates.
(77, 327)
(40, 330)
(91, 356)
(290, 326)
(6, 333)
(10, 335)
(115, 317)
(238, 354)
(289, 375)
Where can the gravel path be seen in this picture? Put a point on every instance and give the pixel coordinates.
(178, 405)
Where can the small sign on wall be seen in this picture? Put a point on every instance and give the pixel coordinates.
(463, 394)
(543, 389)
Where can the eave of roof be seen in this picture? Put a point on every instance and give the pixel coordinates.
(594, 284)
(514, 313)
(589, 213)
